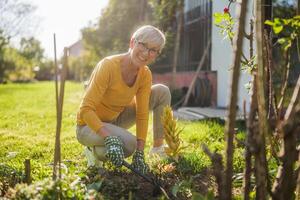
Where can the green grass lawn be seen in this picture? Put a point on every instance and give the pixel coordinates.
(28, 123)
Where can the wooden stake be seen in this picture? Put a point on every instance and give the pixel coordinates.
(56, 74)
(57, 103)
(27, 171)
(60, 98)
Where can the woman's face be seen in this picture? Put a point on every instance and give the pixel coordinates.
(143, 53)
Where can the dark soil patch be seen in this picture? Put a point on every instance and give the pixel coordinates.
(123, 184)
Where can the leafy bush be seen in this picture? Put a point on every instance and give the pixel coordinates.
(71, 187)
(9, 177)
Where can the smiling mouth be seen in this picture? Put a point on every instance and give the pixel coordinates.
(142, 59)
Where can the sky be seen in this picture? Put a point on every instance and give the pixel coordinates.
(65, 18)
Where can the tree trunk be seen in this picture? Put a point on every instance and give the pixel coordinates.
(285, 183)
(260, 153)
(284, 83)
(268, 15)
(268, 59)
(298, 179)
(177, 42)
(250, 142)
(250, 126)
(230, 122)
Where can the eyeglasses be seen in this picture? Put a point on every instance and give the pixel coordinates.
(151, 51)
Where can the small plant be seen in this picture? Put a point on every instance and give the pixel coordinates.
(184, 186)
(9, 177)
(172, 134)
(225, 22)
(69, 187)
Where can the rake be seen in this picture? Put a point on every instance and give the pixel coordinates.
(158, 189)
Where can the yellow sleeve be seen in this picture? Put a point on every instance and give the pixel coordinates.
(142, 106)
(98, 84)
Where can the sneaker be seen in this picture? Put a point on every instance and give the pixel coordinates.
(158, 151)
(92, 160)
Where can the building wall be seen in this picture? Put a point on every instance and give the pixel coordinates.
(222, 58)
(76, 49)
(184, 79)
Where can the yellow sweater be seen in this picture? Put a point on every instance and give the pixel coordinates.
(107, 95)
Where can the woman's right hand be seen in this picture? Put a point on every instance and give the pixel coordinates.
(114, 150)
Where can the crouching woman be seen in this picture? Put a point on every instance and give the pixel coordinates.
(120, 94)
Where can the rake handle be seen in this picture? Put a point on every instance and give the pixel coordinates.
(126, 164)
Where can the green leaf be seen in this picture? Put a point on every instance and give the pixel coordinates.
(95, 186)
(288, 45)
(277, 20)
(218, 18)
(269, 22)
(297, 17)
(277, 29)
(175, 189)
(282, 40)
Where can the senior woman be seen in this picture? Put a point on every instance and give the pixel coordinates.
(120, 94)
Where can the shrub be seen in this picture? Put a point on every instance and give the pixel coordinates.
(9, 177)
(69, 187)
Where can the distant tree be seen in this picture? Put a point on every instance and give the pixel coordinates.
(15, 17)
(4, 41)
(45, 70)
(18, 68)
(112, 32)
(110, 35)
(31, 49)
(14, 20)
(284, 9)
(21, 64)
(167, 17)
(80, 68)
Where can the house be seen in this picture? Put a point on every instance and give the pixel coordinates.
(76, 49)
(215, 74)
(222, 59)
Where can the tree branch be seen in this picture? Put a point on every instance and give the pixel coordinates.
(260, 157)
(218, 169)
(230, 122)
(285, 183)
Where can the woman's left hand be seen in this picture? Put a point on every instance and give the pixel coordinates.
(138, 162)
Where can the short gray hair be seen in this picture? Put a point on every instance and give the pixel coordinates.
(151, 35)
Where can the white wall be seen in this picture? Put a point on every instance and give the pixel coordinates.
(222, 59)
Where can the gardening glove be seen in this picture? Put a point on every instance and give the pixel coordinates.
(114, 150)
(138, 162)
